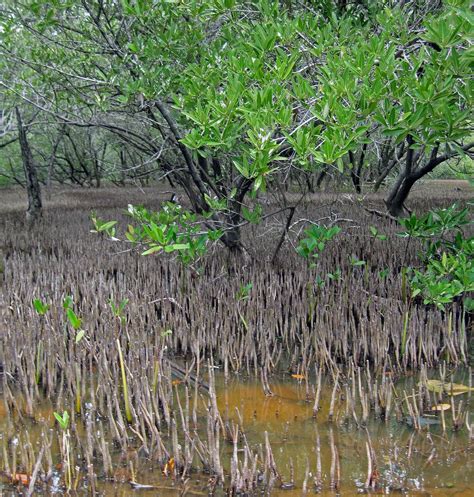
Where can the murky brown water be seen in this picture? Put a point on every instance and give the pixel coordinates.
(427, 463)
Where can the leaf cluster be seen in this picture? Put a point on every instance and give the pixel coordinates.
(448, 255)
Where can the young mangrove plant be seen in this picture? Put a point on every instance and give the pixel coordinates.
(74, 320)
(317, 236)
(105, 227)
(65, 446)
(41, 308)
(118, 310)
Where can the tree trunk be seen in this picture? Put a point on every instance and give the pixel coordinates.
(32, 184)
(400, 190)
(321, 176)
(410, 175)
(231, 239)
(123, 167)
(383, 175)
(388, 163)
(396, 200)
(96, 172)
(309, 182)
(232, 235)
(355, 171)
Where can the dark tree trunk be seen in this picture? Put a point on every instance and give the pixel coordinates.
(202, 161)
(96, 173)
(32, 184)
(356, 170)
(216, 167)
(96, 162)
(197, 184)
(356, 182)
(360, 166)
(321, 176)
(388, 163)
(98, 177)
(232, 235)
(123, 167)
(400, 190)
(395, 201)
(309, 182)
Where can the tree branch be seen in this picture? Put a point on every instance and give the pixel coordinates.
(13, 140)
(433, 162)
(184, 150)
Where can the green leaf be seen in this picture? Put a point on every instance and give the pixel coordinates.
(74, 320)
(415, 292)
(63, 420)
(79, 336)
(177, 246)
(152, 250)
(40, 307)
(106, 226)
(67, 302)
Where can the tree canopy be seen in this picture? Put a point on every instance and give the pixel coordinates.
(229, 98)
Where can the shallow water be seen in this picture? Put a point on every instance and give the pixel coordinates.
(293, 431)
(408, 462)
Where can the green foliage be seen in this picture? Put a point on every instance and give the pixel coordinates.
(252, 216)
(118, 310)
(40, 307)
(444, 280)
(63, 420)
(315, 241)
(383, 273)
(336, 275)
(244, 292)
(261, 88)
(433, 226)
(356, 262)
(171, 230)
(73, 319)
(374, 232)
(105, 227)
(448, 256)
(461, 168)
(67, 302)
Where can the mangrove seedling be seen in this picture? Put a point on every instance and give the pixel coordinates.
(315, 241)
(118, 310)
(40, 307)
(63, 421)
